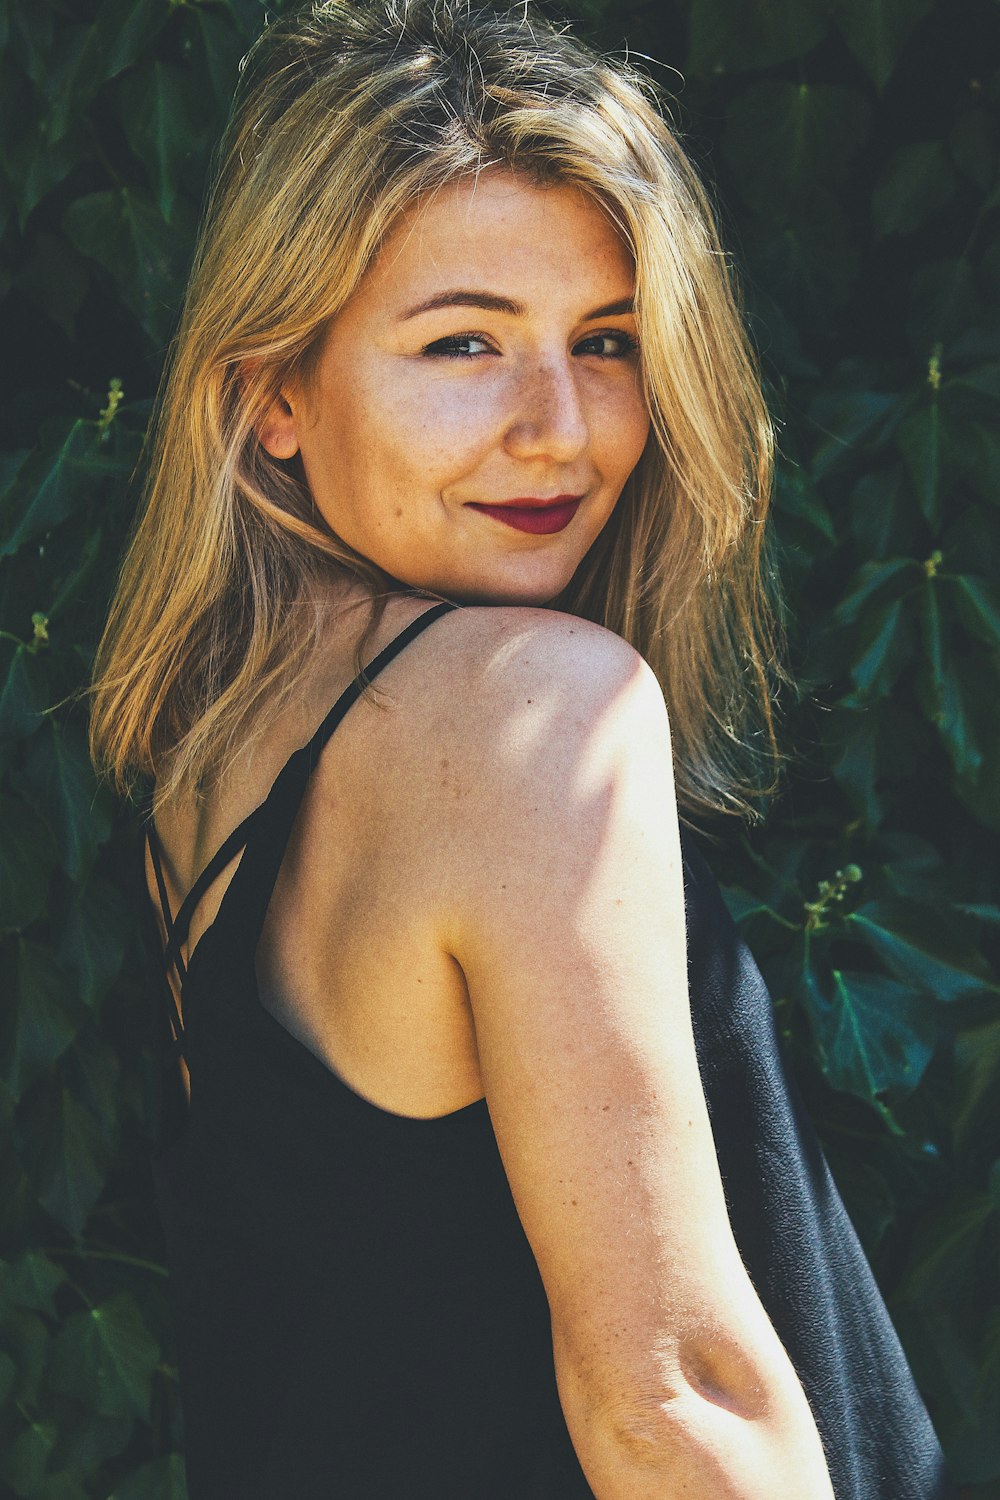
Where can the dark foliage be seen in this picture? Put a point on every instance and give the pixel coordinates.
(853, 145)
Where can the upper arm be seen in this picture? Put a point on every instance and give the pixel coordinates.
(563, 902)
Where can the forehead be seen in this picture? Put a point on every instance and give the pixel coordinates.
(499, 228)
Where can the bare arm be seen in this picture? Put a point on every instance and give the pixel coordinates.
(562, 900)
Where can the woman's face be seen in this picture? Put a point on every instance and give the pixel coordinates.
(488, 356)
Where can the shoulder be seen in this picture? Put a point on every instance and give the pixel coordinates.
(517, 678)
(543, 732)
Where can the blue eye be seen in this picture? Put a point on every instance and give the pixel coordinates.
(453, 346)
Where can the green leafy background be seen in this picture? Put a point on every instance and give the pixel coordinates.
(853, 147)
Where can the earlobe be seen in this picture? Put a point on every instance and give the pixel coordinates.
(276, 429)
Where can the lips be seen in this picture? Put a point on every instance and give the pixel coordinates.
(540, 517)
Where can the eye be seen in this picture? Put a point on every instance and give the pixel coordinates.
(456, 346)
(622, 344)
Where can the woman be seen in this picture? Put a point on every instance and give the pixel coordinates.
(444, 1212)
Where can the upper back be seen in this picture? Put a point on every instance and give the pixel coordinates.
(351, 957)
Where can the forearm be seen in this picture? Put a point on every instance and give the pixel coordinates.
(699, 1448)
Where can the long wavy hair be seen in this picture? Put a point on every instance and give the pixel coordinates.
(345, 115)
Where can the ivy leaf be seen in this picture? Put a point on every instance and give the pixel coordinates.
(808, 261)
(978, 606)
(876, 583)
(66, 479)
(27, 859)
(24, 695)
(93, 939)
(882, 517)
(27, 1458)
(917, 183)
(122, 28)
(943, 302)
(43, 1021)
(70, 1159)
(796, 495)
(124, 233)
(977, 1077)
(781, 139)
(164, 126)
(105, 1357)
(874, 1033)
(876, 31)
(160, 1479)
(61, 773)
(945, 1247)
(887, 645)
(924, 442)
(848, 423)
(724, 38)
(916, 945)
(973, 143)
(32, 1282)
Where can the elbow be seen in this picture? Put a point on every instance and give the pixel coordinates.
(720, 1409)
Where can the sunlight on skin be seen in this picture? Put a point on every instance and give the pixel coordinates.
(415, 417)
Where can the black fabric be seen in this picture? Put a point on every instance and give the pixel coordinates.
(358, 1311)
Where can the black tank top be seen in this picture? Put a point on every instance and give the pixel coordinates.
(358, 1311)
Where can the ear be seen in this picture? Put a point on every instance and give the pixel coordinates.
(276, 429)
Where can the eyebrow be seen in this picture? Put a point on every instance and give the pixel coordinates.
(494, 303)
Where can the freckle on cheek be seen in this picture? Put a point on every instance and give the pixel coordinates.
(399, 512)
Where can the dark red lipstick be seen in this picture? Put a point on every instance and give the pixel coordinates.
(529, 513)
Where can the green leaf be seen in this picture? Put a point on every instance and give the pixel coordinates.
(8, 1377)
(973, 144)
(977, 1080)
(25, 694)
(876, 583)
(160, 1479)
(105, 1357)
(875, 1034)
(918, 946)
(917, 183)
(849, 423)
(27, 859)
(44, 1019)
(27, 1458)
(808, 261)
(70, 1160)
(924, 443)
(126, 235)
(56, 279)
(882, 516)
(887, 646)
(121, 31)
(781, 139)
(944, 1249)
(796, 495)
(724, 38)
(978, 606)
(32, 1282)
(876, 31)
(66, 480)
(61, 773)
(164, 126)
(944, 302)
(93, 938)
(27, 1341)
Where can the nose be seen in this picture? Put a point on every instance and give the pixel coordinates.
(547, 419)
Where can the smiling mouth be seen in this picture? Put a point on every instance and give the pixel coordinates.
(540, 517)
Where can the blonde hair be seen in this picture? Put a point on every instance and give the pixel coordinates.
(346, 114)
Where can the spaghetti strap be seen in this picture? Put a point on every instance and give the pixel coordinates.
(304, 759)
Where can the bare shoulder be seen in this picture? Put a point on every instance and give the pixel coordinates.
(515, 681)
